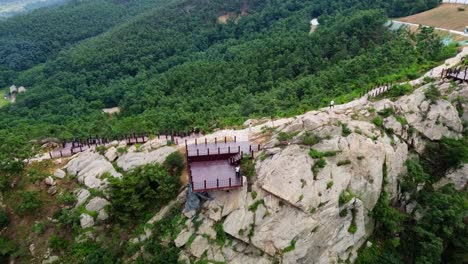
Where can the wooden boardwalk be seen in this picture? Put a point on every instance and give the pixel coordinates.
(76, 146)
(207, 149)
(458, 74)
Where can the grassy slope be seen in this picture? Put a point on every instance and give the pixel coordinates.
(445, 16)
(3, 102)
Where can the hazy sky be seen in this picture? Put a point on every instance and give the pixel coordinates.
(12, 7)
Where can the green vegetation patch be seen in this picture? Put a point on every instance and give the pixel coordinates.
(345, 196)
(291, 246)
(29, 203)
(432, 94)
(315, 154)
(253, 207)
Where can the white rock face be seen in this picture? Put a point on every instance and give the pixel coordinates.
(224, 203)
(130, 161)
(154, 144)
(459, 178)
(199, 246)
(89, 167)
(86, 221)
(59, 174)
(102, 216)
(287, 202)
(97, 204)
(50, 181)
(183, 238)
(81, 195)
(111, 154)
(434, 121)
(52, 190)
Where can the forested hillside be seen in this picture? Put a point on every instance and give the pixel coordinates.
(176, 67)
(30, 39)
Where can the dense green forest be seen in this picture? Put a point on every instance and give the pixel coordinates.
(173, 65)
(159, 67)
(27, 40)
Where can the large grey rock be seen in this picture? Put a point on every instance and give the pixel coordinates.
(32, 249)
(89, 167)
(199, 246)
(154, 144)
(459, 178)
(96, 204)
(52, 190)
(102, 216)
(434, 121)
(59, 174)
(50, 181)
(132, 160)
(183, 258)
(215, 255)
(223, 203)
(111, 154)
(81, 196)
(86, 221)
(392, 123)
(206, 229)
(183, 237)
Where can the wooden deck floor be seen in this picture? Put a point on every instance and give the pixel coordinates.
(214, 175)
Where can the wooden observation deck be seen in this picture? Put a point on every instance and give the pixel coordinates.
(212, 165)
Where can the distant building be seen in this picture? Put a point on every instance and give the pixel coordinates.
(314, 24)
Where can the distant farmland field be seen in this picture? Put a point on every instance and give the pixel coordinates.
(447, 16)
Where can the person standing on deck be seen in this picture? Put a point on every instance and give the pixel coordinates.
(332, 104)
(237, 171)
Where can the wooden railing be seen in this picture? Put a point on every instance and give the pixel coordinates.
(458, 73)
(214, 150)
(79, 145)
(217, 184)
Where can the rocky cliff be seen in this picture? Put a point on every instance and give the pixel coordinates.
(310, 198)
(313, 187)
